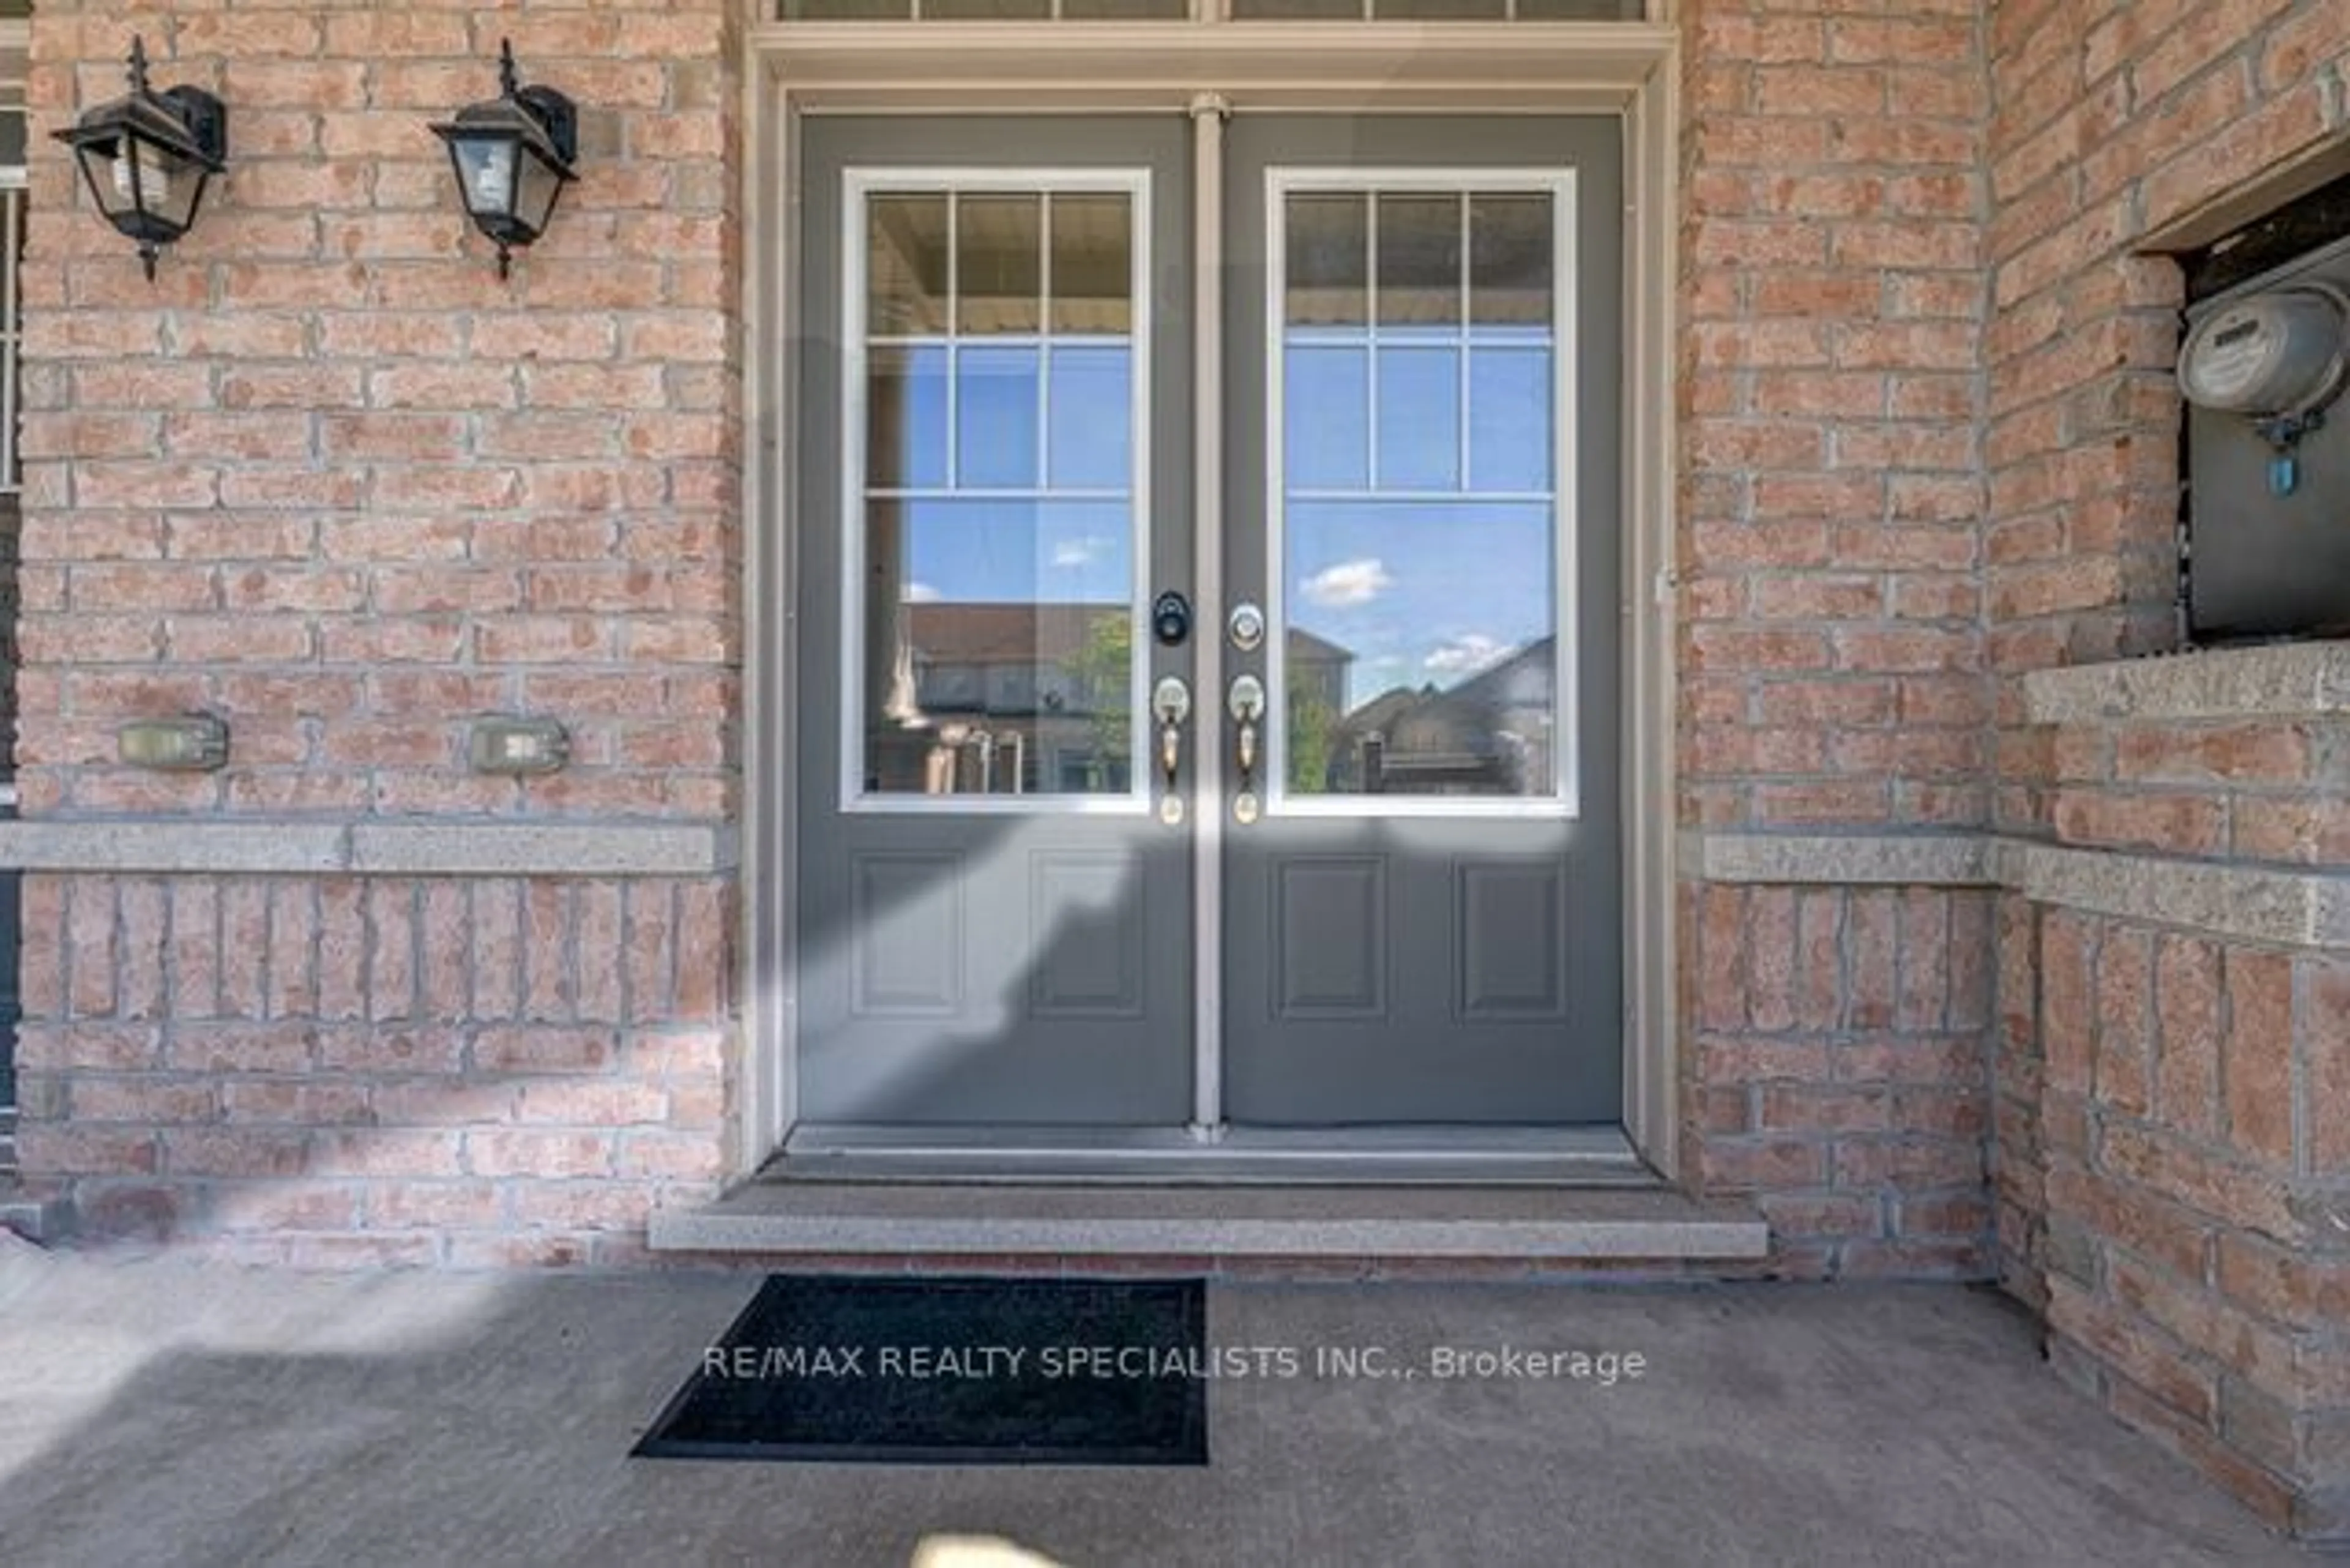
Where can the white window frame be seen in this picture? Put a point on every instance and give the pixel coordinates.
(859, 185)
(1566, 628)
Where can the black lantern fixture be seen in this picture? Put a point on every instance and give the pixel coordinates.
(149, 156)
(513, 154)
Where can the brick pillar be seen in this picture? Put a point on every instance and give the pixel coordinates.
(1831, 647)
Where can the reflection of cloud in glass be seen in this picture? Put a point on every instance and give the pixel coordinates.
(920, 594)
(1071, 554)
(1006, 551)
(1348, 583)
(1466, 655)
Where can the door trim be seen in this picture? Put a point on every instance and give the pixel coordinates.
(1208, 114)
(1628, 68)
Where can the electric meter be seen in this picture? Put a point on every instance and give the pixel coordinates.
(2281, 353)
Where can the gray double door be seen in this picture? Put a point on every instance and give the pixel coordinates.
(1290, 799)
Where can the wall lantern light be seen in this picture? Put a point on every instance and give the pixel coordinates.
(513, 154)
(149, 156)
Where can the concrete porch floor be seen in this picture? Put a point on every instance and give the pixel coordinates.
(155, 1411)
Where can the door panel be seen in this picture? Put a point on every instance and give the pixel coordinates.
(1423, 925)
(994, 924)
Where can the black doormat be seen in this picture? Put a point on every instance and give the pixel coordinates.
(951, 1371)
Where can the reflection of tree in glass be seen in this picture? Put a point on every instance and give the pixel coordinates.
(1312, 728)
(1102, 669)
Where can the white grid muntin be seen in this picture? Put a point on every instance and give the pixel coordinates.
(859, 187)
(1559, 184)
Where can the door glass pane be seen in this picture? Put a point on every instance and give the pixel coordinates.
(1327, 244)
(1509, 426)
(906, 256)
(1510, 262)
(1328, 392)
(1093, 264)
(1000, 264)
(1580, 10)
(1300, 11)
(1419, 419)
(1125, 10)
(1092, 440)
(1004, 656)
(1421, 656)
(999, 531)
(987, 10)
(997, 399)
(1418, 559)
(1433, 10)
(1420, 264)
(906, 418)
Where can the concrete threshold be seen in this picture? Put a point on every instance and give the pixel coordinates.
(1599, 1224)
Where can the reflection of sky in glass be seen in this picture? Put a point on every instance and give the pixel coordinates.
(1327, 395)
(1416, 443)
(1431, 590)
(1018, 551)
(996, 416)
(1420, 593)
(1092, 435)
(906, 442)
(1419, 419)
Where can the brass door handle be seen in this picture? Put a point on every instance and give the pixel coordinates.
(1246, 701)
(1171, 703)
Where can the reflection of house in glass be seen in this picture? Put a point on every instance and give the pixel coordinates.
(1024, 699)
(1008, 699)
(1491, 734)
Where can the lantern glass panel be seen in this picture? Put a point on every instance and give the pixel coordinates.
(169, 185)
(535, 201)
(99, 162)
(485, 172)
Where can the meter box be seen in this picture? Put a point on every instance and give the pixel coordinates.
(2263, 367)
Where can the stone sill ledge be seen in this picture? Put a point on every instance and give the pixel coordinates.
(1841, 860)
(2291, 681)
(2280, 905)
(266, 848)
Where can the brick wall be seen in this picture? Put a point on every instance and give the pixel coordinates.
(1837, 1071)
(2111, 118)
(378, 1070)
(2166, 1180)
(332, 479)
(2187, 1120)
(1831, 609)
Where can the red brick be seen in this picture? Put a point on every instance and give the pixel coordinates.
(2257, 1075)
(547, 1155)
(2188, 1035)
(2125, 997)
(2325, 1035)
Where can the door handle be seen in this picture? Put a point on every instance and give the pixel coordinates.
(1246, 701)
(1170, 704)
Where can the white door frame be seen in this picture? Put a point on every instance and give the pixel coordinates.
(1205, 70)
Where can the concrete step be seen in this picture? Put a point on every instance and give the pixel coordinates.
(1600, 1225)
(34, 1218)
